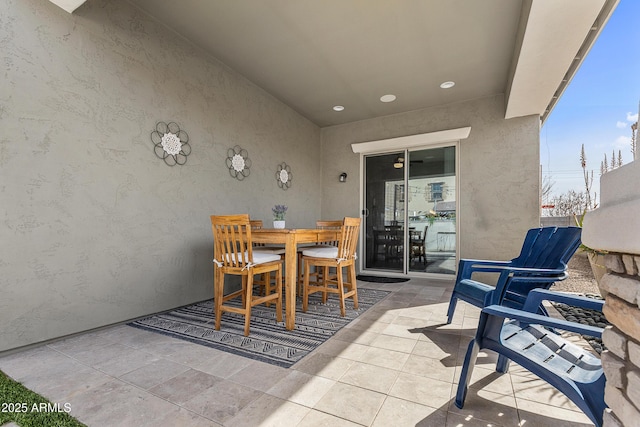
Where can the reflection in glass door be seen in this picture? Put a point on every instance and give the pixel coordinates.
(384, 206)
(431, 210)
(417, 188)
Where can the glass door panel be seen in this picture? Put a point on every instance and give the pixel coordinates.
(384, 194)
(431, 209)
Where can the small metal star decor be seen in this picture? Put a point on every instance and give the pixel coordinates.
(284, 176)
(171, 143)
(238, 163)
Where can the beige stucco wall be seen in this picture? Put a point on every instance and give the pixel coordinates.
(615, 225)
(499, 170)
(95, 229)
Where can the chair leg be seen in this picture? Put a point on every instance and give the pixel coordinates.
(305, 288)
(299, 282)
(267, 286)
(452, 308)
(467, 371)
(244, 289)
(354, 285)
(325, 281)
(218, 290)
(247, 296)
(502, 365)
(343, 310)
(279, 291)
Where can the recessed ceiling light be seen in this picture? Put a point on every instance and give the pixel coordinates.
(388, 98)
(338, 108)
(447, 85)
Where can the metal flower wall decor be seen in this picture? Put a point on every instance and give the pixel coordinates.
(238, 163)
(171, 143)
(284, 176)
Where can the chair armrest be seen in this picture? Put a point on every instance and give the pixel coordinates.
(533, 271)
(469, 266)
(537, 319)
(484, 262)
(466, 267)
(536, 296)
(509, 275)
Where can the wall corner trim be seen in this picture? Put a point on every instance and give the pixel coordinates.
(410, 141)
(68, 5)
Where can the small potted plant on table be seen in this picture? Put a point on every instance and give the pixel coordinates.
(279, 211)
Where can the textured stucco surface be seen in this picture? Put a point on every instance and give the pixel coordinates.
(615, 225)
(95, 229)
(499, 170)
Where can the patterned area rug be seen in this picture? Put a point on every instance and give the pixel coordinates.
(268, 341)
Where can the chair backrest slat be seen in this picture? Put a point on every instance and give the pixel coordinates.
(329, 225)
(232, 239)
(548, 247)
(256, 224)
(349, 238)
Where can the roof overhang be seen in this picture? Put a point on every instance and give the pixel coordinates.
(549, 50)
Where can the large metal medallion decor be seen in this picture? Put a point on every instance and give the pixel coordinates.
(171, 143)
(284, 176)
(238, 162)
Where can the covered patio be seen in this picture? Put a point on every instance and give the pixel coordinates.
(99, 230)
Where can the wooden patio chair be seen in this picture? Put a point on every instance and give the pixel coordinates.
(316, 274)
(394, 243)
(417, 239)
(264, 280)
(524, 337)
(234, 254)
(338, 257)
(542, 262)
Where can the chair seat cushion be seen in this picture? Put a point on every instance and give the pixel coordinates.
(262, 257)
(321, 252)
(258, 257)
(269, 249)
(318, 246)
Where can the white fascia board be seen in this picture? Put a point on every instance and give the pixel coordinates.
(555, 31)
(420, 140)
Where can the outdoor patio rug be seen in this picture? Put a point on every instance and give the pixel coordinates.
(268, 341)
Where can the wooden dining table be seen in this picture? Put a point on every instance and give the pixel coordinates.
(291, 237)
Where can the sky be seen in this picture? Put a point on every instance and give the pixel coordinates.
(598, 107)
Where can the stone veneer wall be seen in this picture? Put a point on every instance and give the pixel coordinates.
(622, 362)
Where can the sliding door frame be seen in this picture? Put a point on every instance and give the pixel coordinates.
(450, 138)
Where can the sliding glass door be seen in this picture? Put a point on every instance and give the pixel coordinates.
(410, 211)
(384, 212)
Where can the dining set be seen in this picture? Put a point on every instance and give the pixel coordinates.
(267, 261)
(388, 242)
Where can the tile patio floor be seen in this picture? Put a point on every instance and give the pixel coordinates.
(397, 365)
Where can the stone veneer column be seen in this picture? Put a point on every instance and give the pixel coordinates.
(615, 227)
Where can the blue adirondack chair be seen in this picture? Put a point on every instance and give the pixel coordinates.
(542, 261)
(525, 339)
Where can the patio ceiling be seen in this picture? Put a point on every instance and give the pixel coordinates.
(313, 55)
